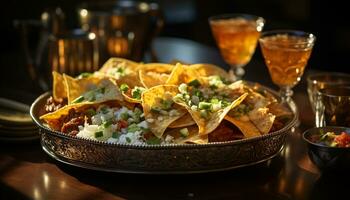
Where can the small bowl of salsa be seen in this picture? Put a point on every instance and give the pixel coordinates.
(329, 147)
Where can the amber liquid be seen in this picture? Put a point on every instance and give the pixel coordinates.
(73, 56)
(286, 58)
(333, 106)
(236, 38)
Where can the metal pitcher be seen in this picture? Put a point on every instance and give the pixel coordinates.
(57, 49)
(51, 22)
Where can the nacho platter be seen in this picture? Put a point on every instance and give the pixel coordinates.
(198, 151)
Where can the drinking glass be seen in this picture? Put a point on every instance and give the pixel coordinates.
(317, 81)
(286, 53)
(236, 36)
(123, 28)
(333, 107)
(73, 52)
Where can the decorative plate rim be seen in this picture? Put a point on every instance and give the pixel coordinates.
(89, 166)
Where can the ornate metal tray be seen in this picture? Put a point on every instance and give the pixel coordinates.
(159, 159)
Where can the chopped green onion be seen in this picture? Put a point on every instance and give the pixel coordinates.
(166, 104)
(90, 112)
(204, 114)
(204, 105)
(214, 100)
(213, 87)
(104, 110)
(98, 134)
(84, 75)
(153, 140)
(198, 93)
(137, 111)
(145, 130)
(224, 104)
(124, 87)
(124, 116)
(120, 70)
(194, 83)
(137, 92)
(79, 99)
(115, 135)
(178, 98)
(244, 109)
(107, 123)
(137, 115)
(184, 132)
(155, 110)
(224, 80)
(102, 90)
(215, 81)
(92, 98)
(133, 128)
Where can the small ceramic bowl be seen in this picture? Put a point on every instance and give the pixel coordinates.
(327, 157)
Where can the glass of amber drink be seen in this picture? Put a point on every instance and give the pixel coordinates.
(286, 53)
(236, 36)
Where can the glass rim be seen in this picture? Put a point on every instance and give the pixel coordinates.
(75, 34)
(311, 37)
(236, 15)
(117, 7)
(312, 77)
(322, 93)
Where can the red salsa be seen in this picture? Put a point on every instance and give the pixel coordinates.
(332, 139)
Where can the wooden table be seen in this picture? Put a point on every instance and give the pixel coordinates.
(26, 172)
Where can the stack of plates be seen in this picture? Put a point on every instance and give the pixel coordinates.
(15, 122)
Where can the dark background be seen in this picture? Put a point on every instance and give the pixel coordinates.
(189, 19)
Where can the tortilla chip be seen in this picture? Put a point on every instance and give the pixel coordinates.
(151, 98)
(192, 138)
(245, 125)
(154, 74)
(205, 69)
(268, 95)
(256, 99)
(182, 74)
(59, 87)
(262, 119)
(184, 121)
(207, 125)
(122, 71)
(128, 94)
(113, 63)
(197, 139)
(85, 86)
(130, 99)
(279, 110)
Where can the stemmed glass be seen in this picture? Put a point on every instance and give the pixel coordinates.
(286, 53)
(236, 36)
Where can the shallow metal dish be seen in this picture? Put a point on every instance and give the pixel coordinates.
(159, 159)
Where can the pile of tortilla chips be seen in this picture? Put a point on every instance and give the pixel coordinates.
(160, 89)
